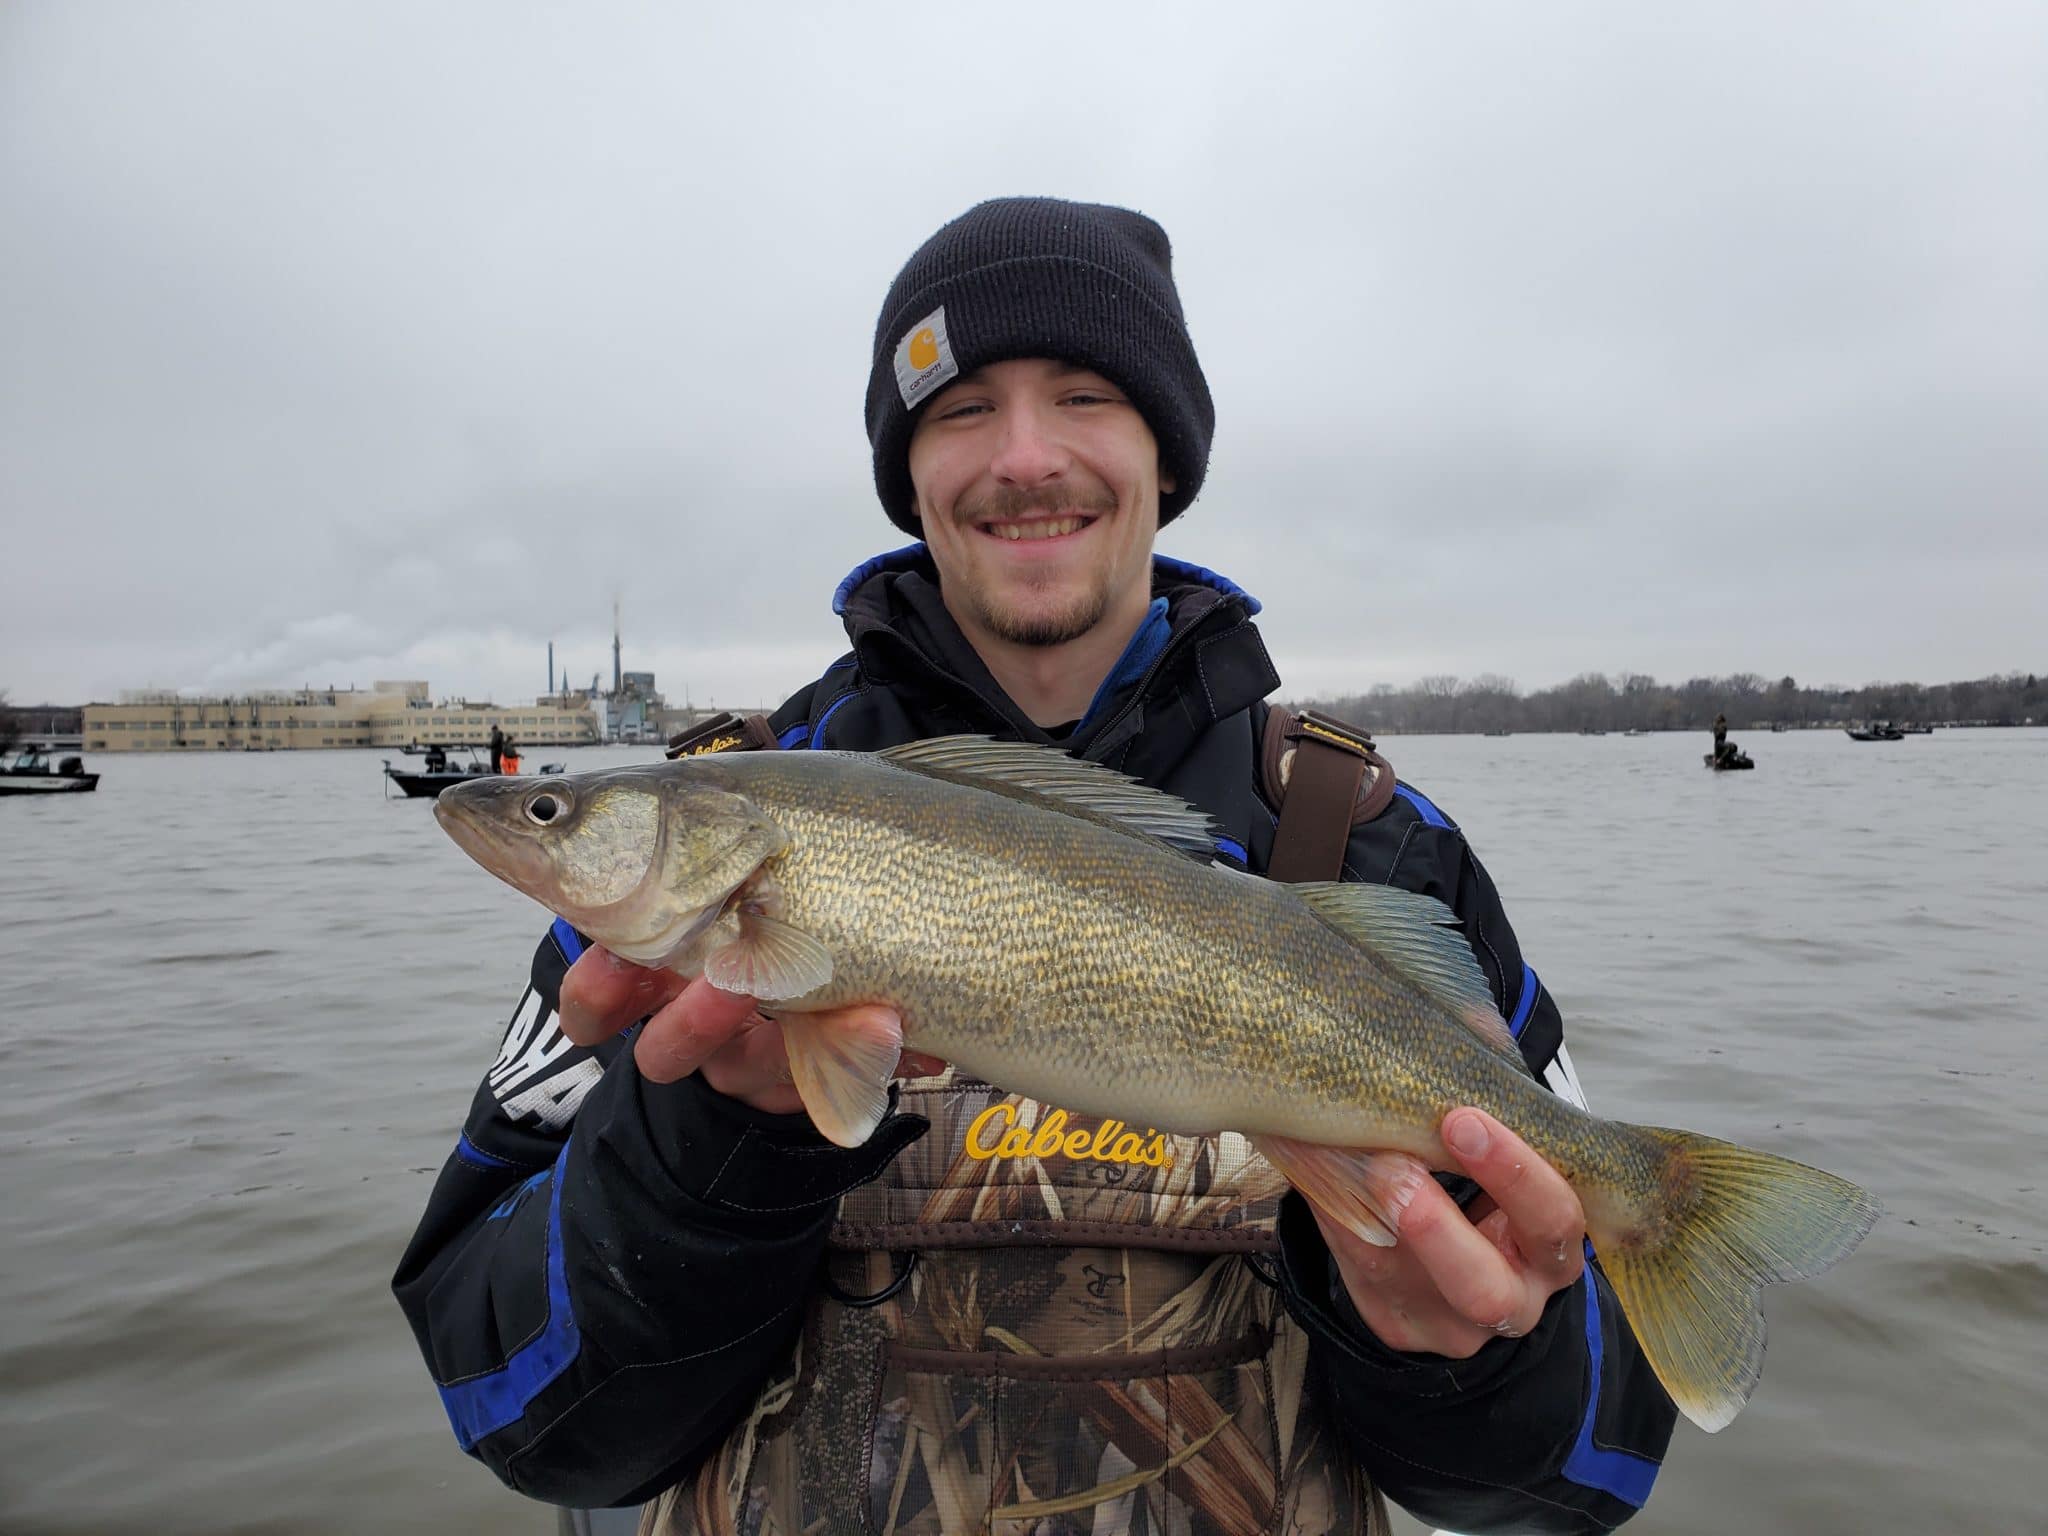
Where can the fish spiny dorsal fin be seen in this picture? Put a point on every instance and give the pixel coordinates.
(1063, 783)
(1417, 936)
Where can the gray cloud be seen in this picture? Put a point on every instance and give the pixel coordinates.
(355, 341)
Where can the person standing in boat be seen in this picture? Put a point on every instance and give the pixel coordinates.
(1721, 738)
(497, 749)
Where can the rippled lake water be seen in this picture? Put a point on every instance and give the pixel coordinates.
(249, 998)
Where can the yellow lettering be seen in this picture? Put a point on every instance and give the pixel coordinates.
(995, 1112)
(1051, 1133)
(1110, 1142)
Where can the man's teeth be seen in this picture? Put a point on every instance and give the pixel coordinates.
(1050, 528)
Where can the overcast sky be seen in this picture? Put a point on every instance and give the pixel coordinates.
(343, 341)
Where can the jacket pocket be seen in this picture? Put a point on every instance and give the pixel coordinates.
(1171, 1440)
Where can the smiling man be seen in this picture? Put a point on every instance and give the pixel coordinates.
(644, 1276)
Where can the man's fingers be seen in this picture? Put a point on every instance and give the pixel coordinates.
(602, 994)
(687, 1031)
(1542, 1212)
(1469, 1272)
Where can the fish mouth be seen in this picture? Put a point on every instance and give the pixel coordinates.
(482, 818)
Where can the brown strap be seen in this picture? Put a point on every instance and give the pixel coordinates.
(1315, 814)
(725, 732)
(1316, 768)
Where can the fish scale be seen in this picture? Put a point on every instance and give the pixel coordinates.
(1039, 922)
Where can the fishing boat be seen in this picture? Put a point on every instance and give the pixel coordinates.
(1728, 762)
(436, 771)
(1877, 730)
(31, 773)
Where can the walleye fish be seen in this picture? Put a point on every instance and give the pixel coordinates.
(1039, 922)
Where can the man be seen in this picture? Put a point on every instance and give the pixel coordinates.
(643, 1274)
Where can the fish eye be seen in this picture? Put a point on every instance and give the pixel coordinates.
(549, 806)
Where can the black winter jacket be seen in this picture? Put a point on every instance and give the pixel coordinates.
(609, 1268)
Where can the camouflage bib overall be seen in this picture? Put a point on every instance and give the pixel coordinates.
(1080, 1346)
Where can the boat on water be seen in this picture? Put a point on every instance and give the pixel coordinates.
(437, 770)
(1877, 730)
(32, 773)
(1728, 762)
(1632, 731)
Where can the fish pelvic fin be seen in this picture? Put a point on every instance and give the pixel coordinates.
(842, 1065)
(1070, 785)
(1724, 1221)
(1418, 937)
(1363, 1192)
(767, 958)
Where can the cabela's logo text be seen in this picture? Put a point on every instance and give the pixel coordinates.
(996, 1133)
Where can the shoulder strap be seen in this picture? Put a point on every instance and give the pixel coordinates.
(1327, 779)
(724, 732)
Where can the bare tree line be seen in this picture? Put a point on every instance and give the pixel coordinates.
(1633, 701)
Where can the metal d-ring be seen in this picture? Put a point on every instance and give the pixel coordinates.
(847, 1299)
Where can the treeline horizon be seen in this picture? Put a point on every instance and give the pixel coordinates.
(1634, 701)
(1445, 704)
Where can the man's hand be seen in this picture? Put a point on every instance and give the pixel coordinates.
(691, 1027)
(1455, 1279)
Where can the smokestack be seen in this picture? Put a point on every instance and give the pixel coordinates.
(618, 677)
(551, 668)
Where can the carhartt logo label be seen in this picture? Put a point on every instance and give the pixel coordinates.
(924, 359)
(996, 1133)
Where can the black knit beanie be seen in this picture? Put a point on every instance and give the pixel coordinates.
(1039, 277)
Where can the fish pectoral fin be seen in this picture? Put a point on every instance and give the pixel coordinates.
(767, 958)
(1357, 1189)
(842, 1064)
(1418, 937)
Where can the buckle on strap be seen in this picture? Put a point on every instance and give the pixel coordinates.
(1335, 732)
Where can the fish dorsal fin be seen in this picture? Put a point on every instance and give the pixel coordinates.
(1417, 936)
(1064, 783)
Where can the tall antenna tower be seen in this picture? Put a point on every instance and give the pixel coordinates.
(618, 677)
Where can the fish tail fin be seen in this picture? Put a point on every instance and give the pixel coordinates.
(1719, 1222)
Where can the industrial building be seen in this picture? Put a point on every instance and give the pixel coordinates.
(387, 714)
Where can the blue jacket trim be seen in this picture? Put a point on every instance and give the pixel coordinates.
(817, 741)
(486, 1403)
(566, 940)
(1621, 1473)
(795, 736)
(1230, 847)
(1527, 1003)
(1429, 813)
(1147, 641)
(894, 559)
(1207, 578)
(477, 1157)
(511, 1202)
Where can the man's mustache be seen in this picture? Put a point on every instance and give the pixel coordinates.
(1010, 503)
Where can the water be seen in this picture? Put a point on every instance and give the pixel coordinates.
(249, 1000)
